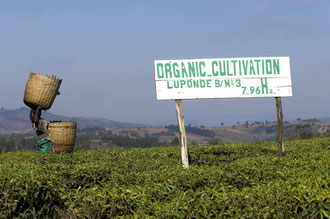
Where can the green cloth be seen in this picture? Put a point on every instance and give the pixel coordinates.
(44, 145)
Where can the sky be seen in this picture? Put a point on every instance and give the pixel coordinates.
(104, 52)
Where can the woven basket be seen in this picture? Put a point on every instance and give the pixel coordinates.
(41, 90)
(62, 135)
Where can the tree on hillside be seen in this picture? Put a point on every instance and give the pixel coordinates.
(327, 133)
(175, 141)
(246, 124)
(301, 132)
(192, 130)
(215, 141)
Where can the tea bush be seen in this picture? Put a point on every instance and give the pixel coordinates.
(231, 180)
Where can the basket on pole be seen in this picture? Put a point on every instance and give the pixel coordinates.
(41, 90)
(62, 135)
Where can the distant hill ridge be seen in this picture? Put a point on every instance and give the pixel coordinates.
(18, 119)
(325, 119)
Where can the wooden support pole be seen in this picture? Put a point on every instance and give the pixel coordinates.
(280, 137)
(182, 130)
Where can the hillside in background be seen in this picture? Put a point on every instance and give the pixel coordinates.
(18, 120)
(99, 133)
(242, 133)
(325, 119)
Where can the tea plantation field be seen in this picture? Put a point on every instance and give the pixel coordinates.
(231, 180)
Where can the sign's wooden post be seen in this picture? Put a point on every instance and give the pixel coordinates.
(182, 130)
(280, 137)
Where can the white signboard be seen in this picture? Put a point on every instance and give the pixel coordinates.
(223, 78)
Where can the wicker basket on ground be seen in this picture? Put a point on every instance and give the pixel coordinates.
(62, 135)
(41, 90)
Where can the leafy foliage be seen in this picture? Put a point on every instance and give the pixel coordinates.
(125, 141)
(238, 180)
(84, 141)
(302, 132)
(192, 130)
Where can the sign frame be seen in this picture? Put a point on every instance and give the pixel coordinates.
(275, 81)
(222, 78)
